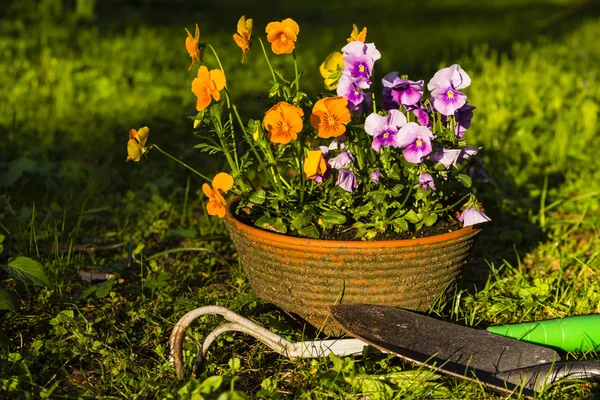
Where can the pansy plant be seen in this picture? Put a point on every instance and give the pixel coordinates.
(346, 160)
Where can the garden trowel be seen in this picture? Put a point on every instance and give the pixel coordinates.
(499, 362)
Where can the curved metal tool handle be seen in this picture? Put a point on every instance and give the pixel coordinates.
(237, 323)
(537, 378)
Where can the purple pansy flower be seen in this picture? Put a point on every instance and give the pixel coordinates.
(398, 91)
(346, 180)
(416, 141)
(463, 119)
(444, 88)
(342, 160)
(359, 58)
(375, 176)
(338, 143)
(421, 114)
(472, 216)
(475, 171)
(447, 157)
(352, 90)
(384, 129)
(448, 100)
(426, 181)
(451, 76)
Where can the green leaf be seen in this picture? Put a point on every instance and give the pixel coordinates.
(211, 384)
(1, 246)
(310, 231)
(430, 219)
(301, 220)
(258, 197)
(412, 216)
(333, 218)
(363, 210)
(395, 172)
(27, 270)
(464, 179)
(271, 224)
(400, 224)
(8, 301)
(377, 197)
(103, 288)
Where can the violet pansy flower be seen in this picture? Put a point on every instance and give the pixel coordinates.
(426, 181)
(472, 216)
(384, 129)
(346, 180)
(444, 88)
(375, 176)
(416, 141)
(342, 160)
(463, 119)
(352, 90)
(398, 91)
(446, 157)
(421, 114)
(450, 76)
(359, 59)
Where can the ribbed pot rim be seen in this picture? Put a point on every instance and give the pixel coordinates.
(294, 241)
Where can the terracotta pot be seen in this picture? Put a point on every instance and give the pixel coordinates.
(306, 276)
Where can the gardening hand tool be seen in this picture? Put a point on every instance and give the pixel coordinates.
(580, 333)
(499, 362)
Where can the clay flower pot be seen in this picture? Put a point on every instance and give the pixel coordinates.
(306, 276)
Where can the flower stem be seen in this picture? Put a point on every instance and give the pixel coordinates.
(296, 73)
(450, 207)
(258, 157)
(180, 162)
(235, 155)
(268, 62)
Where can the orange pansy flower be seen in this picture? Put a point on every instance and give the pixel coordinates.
(192, 44)
(284, 122)
(355, 35)
(207, 84)
(315, 164)
(221, 183)
(329, 117)
(242, 38)
(136, 146)
(282, 35)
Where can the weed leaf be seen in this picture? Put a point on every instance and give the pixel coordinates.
(27, 270)
(8, 301)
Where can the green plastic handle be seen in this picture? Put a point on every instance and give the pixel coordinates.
(580, 333)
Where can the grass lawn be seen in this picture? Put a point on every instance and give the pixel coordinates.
(76, 75)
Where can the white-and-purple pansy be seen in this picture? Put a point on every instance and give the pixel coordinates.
(426, 181)
(445, 86)
(446, 157)
(416, 141)
(359, 58)
(472, 216)
(375, 176)
(467, 152)
(338, 143)
(342, 160)
(398, 91)
(421, 114)
(447, 100)
(463, 116)
(352, 90)
(346, 180)
(384, 129)
(450, 76)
